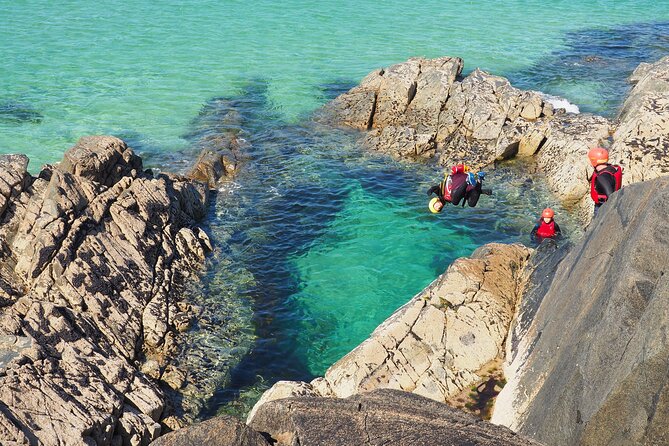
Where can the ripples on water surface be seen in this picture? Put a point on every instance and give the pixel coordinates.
(316, 242)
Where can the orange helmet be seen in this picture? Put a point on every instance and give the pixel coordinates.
(598, 156)
(547, 213)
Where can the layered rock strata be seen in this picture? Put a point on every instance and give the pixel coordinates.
(588, 359)
(93, 252)
(435, 344)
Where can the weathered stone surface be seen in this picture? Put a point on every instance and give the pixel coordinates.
(219, 431)
(91, 249)
(102, 159)
(641, 141)
(380, 417)
(589, 358)
(436, 343)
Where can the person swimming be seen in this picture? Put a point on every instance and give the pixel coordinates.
(459, 186)
(546, 227)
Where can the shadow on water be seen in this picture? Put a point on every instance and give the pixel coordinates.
(596, 63)
(13, 112)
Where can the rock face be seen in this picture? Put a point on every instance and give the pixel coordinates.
(588, 360)
(219, 431)
(93, 252)
(422, 109)
(436, 343)
(641, 141)
(380, 417)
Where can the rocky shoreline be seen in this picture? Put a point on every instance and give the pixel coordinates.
(95, 252)
(421, 109)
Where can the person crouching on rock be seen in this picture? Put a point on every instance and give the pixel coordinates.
(460, 186)
(606, 179)
(546, 227)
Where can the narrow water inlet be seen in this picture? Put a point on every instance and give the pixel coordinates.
(316, 243)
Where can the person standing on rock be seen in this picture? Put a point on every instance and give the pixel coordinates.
(546, 227)
(606, 179)
(460, 185)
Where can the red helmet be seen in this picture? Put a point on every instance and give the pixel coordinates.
(458, 168)
(547, 213)
(598, 156)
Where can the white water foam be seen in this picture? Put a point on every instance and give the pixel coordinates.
(559, 102)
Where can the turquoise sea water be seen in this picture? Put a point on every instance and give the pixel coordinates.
(316, 242)
(142, 70)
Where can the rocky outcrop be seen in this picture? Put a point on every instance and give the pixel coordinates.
(588, 359)
(93, 253)
(437, 343)
(379, 417)
(641, 141)
(423, 109)
(219, 431)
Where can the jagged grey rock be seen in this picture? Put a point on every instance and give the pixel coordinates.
(93, 255)
(436, 344)
(379, 417)
(589, 363)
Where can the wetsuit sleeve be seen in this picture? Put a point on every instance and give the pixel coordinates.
(433, 190)
(557, 229)
(533, 234)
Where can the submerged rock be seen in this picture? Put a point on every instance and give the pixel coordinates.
(588, 363)
(436, 344)
(93, 254)
(379, 417)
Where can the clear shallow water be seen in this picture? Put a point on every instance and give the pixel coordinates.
(142, 70)
(316, 242)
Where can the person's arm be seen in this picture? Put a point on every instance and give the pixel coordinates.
(558, 232)
(533, 234)
(433, 190)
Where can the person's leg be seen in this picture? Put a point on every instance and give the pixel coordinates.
(473, 197)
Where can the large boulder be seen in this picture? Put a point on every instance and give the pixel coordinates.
(219, 431)
(588, 358)
(380, 417)
(94, 254)
(439, 342)
(641, 141)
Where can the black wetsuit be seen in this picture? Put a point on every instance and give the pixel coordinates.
(605, 185)
(460, 190)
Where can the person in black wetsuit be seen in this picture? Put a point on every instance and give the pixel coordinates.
(460, 186)
(606, 179)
